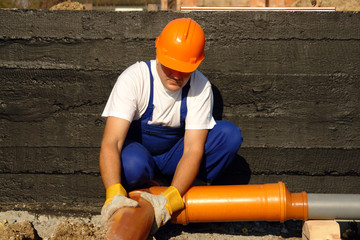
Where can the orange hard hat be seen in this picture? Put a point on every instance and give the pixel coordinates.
(180, 45)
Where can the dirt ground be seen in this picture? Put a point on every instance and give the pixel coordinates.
(64, 230)
(68, 5)
(84, 224)
(50, 221)
(24, 225)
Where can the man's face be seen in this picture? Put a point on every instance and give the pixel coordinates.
(171, 79)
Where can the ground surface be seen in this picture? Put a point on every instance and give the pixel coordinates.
(42, 221)
(84, 224)
(21, 225)
(68, 5)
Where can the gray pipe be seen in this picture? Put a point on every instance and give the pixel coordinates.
(334, 206)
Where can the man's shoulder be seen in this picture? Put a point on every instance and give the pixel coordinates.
(199, 85)
(199, 79)
(135, 72)
(138, 66)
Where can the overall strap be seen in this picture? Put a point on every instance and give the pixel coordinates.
(150, 108)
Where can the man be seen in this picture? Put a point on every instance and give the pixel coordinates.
(160, 123)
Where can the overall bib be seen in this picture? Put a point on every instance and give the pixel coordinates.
(158, 139)
(151, 150)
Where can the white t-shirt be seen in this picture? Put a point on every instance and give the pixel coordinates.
(130, 97)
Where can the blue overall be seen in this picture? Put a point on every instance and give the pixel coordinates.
(151, 150)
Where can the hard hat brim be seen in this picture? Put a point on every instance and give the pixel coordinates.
(176, 64)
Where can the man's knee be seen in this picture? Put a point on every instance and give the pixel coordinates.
(137, 167)
(230, 134)
(223, 142)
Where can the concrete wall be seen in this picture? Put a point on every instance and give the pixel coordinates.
(289, 80)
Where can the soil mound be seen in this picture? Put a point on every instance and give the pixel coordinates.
(68, 5)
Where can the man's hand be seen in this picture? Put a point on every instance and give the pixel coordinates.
(164, 205)
(118, 202)
(116, 197)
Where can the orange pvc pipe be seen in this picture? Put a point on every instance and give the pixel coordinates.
(268, 202)
(129, 223)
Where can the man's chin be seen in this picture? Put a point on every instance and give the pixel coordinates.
(173, 86)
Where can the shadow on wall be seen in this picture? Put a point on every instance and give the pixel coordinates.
(239, 170)
(218, 103)
(238, 173)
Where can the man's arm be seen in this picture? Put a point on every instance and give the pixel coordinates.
(188, 166)
(170, 200)
(110, 163)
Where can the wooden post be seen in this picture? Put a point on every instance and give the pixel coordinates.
(164, 5)
(178, 5)
(152, 7)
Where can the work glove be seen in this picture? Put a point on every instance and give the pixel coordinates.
(164, 205)
(116, 197)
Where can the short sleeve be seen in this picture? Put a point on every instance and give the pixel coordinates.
(126, 93)
(200, 104)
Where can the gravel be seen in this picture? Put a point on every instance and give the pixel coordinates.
(30, 225)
